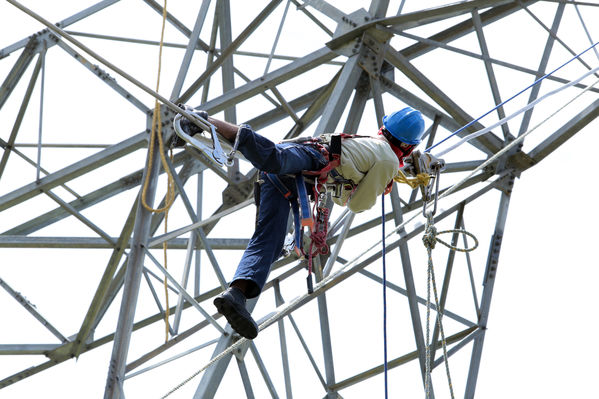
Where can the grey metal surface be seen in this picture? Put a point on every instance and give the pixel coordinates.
(360, 63)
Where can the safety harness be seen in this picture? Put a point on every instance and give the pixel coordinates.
(320, 182)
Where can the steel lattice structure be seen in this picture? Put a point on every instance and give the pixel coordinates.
(78, 200)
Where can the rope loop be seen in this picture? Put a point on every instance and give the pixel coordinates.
(431, 237)
(458, 231)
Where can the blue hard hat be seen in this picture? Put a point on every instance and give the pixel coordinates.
(406, 125)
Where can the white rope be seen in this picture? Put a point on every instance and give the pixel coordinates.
(509, 117)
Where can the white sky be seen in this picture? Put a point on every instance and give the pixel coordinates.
(542, 322)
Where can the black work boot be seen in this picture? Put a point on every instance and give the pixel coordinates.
(231, 304)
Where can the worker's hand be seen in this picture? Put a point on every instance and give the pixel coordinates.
(188, 126)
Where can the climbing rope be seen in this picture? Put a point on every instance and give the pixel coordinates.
(429, 239)
(170, 194)
(384, 300)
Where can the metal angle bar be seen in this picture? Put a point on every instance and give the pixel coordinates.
(100, 301)
(263, 371)
(180, 26)
(586, 30)
(245, 378)
(306, 349)
(26, 349)
(191, 46)
(315, 109)
(470, 272)
(199, 231)
(16, 73)
(160, 280)
(104, 76)
(156, 300)
(489, 283)
(409, 98)
(17, 125)
(211, 52)
(396, 362)
(128, 39)
(464, 28)
(326, 8)
(198, 257)
(277, 36)
(83, 202)
(378, 8)
(277, 113)
(457, 347)
(311, 16)
(417, 18)
(80, 217)
(133, 273)
(339, 243)
(325, 333)
(64, 23)
(226, 64)
(217, 216)
(75, 170)
(534, 92)
(273, 78)
(31, 309)
(564, 133)
(480, 57)
(581, 3)
(356, 110)
(553, 34)
(35, 165)
(182, 290)
(184, 280)
(172, 358)
(422, 301)
(283, 341)
(173, 107)
(17, 241)
(226, 53)
(345, 85)
(489, 68)
(170, 343)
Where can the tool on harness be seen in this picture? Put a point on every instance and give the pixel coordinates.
(186, 129)
(315, 185)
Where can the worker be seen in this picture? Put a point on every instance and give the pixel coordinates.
(368, 162)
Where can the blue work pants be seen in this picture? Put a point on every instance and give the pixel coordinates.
(266, 244)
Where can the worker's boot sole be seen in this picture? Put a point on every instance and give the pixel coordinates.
(237, 315)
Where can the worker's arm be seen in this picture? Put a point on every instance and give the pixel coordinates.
(226, 129)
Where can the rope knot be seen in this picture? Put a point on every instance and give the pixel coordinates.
(429, 239)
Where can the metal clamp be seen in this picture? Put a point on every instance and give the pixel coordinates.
(215, 152)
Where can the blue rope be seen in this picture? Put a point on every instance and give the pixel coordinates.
(511, 98)
(384, 299)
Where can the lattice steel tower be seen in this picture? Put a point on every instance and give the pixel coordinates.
(86, 259)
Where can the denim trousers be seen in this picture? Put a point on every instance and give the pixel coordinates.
(266, 244)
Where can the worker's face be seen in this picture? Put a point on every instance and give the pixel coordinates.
(406, 149)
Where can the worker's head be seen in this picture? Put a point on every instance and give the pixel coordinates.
(403, 129)
(405, 125)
